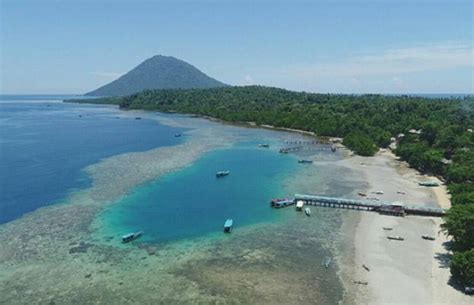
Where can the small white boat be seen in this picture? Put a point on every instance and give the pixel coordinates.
(307, 211)
(222, 173)
(299, 205)
(228, 225)
(131, 236)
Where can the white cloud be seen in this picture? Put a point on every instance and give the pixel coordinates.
(102, 74)
(396, 61)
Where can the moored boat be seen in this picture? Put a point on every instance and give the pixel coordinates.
(264, 145)
(299, 205)
(307, 211)
(327, 261)
(177, 135)
(228, 225)
(131, 236)
(305, 161)
(427, 237)
(222, 173)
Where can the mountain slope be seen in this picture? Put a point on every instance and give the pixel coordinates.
(157, 72)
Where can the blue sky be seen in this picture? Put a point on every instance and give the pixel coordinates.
(320, 46)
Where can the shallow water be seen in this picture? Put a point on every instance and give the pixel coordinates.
(193, 202)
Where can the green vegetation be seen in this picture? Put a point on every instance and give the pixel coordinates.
(433, 135)
(462, 267)
(157, 72)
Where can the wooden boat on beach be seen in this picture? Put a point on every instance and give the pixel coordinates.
(366, 267)
(228, 225)
(429, 183)
(427, 237)
(387, 228)
(131, 236)
(395, 237)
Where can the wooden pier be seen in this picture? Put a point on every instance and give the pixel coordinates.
(394, 208)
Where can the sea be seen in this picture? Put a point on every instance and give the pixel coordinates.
(46, 145)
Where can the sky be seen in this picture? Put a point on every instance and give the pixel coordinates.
(371, 46)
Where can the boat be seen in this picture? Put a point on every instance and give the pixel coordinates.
(362, 194)
(305, 161)
(361, 282)
(427, 237)
(281, 202)
(228, 225)
(284, 151)
(138, 118)
(299, 205)
(307, 211)
(429, 183)
(177, 135)
(222, 173)
(366, 268)
(131, 236)
(327, 262)
(264, 145)
(378, 192)
(387, 228)
(395, 237)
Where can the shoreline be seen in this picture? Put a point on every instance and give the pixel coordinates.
(417, 268)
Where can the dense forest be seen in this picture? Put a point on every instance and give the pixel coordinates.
(433, 135)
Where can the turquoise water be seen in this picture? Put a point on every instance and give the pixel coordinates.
(193, 202)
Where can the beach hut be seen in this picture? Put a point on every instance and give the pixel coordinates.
(299, 205)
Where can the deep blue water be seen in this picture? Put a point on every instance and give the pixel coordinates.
(193, 202)
(45, 143)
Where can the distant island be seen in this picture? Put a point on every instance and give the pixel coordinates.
(157, 72)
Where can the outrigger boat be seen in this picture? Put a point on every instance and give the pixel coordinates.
(427, 237)
(131, 236)
(222, 173)
(228, 225)
(305, 161)
(307, 211)
(395, 237)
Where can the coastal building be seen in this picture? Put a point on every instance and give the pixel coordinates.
(396, 208)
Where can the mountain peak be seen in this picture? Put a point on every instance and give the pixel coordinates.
(158, 72)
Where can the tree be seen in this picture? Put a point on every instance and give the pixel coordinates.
(462, 267)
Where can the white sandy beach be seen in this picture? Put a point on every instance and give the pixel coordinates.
(413, 271)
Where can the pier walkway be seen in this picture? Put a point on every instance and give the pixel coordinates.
(394, 208)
